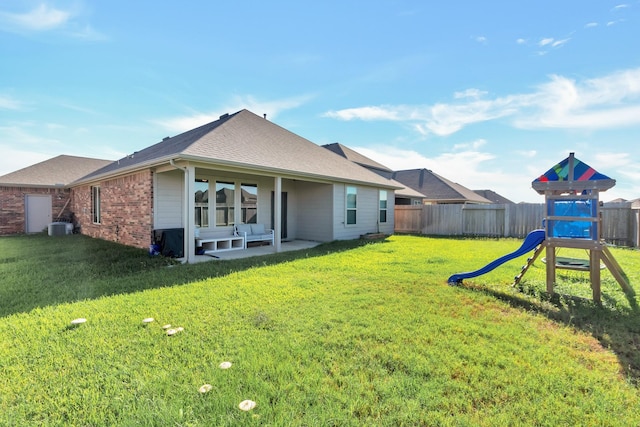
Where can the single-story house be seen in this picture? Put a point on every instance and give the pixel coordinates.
(438, 190)
(404, 196)
(260, 173)
(33, 197)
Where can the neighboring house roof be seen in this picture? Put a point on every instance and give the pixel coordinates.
(59, 171)
(436, 188)
(245, 140)
(493, 197)
(635, 203)
(358, 158)
(407, 191)
(372, 165)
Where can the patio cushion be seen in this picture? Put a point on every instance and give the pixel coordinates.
(244, 228)
(257, 229)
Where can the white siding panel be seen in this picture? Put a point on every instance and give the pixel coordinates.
(168, 200)
(389, 226)
(315, 213)
(366, 214)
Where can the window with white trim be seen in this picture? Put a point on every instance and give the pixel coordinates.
(383, 206)
(352, 205)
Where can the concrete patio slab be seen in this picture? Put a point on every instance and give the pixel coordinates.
(287, 246)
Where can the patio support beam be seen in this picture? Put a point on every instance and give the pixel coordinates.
(277, 213)
(189, 217)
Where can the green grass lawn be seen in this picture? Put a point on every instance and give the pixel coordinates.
(347, 333)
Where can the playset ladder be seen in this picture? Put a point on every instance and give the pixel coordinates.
(529, 263)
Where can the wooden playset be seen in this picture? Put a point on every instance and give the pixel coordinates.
(573, 220)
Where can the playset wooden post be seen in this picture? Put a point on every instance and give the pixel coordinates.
(573, 220)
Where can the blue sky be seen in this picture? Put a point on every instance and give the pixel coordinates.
(487, 94)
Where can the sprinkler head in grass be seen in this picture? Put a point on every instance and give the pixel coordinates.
(247, 405)
(205, 388)
(78, 321)
(225, 365)
(147, 320)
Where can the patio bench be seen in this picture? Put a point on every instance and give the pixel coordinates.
(254, 233)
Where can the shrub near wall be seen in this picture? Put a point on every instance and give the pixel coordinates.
(12, 206)
(126, 209)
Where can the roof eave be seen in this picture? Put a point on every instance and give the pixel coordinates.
(24, 185)
(285, 173)
(602, 185)
(236, 165)
(122, 171)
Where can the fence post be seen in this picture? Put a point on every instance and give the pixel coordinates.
(507, 219)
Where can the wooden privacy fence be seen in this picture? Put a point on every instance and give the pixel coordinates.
(619, 221)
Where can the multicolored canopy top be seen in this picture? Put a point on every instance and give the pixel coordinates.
(572, 175)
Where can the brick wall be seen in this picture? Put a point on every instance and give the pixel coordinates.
(126, 209)
(12, 206)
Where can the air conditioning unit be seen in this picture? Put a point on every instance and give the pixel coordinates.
(57, 229)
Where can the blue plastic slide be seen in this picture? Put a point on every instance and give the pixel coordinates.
(532, 240)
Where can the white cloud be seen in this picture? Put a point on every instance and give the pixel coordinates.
(15, 159)
(237, 103)
(87, 33)
(20, 147)
(591, 25)
(469, 93)
(521, 41)
(553, 43)
(545, 41)
(612, 101)
(474, 145)
(528, 153)
(45, 19)
(41, 18)
(467, 167)
(19, 134)
(558, 43)
(9, 103)
(612, 161)
(446, 119)
(365, 113)
(606, 102)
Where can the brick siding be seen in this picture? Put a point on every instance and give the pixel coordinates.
(126, 209)
(12, 207)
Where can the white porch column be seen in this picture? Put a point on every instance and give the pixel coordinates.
(277, 213)
(189, 216)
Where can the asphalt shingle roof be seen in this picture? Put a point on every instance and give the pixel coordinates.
(372, 165)
(493, 197)
(436, 188)
(356, 157)
(58, 171)
(246, 140)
